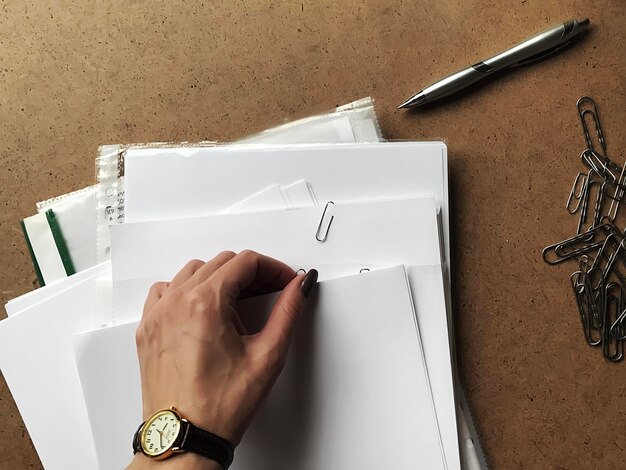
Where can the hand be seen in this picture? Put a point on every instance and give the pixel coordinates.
(194, 352)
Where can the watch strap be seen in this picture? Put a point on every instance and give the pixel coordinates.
(137, 439)
(207, 444)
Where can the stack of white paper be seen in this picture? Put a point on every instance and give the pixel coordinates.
(371, 361)
(378, 222)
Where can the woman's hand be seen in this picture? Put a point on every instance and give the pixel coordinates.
(194, 352)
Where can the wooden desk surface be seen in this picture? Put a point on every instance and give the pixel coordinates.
(73, 77)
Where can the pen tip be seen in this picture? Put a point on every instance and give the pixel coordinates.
(414, 100)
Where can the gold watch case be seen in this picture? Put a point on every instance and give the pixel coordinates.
(152, 428)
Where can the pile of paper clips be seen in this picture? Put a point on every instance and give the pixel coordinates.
(599, 246)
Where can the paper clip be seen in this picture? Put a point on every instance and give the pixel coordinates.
(587, 308)
(588, 196)
(587, 107)
(576, 246)
(612, 345)
(579, 189)
(319, 227)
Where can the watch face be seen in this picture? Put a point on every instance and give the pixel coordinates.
(159, 433)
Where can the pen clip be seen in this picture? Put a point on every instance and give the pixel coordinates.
(542, 55)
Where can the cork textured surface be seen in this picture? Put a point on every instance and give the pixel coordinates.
(74, 75)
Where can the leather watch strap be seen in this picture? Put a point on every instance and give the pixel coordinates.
(137, 439)
(207, 444)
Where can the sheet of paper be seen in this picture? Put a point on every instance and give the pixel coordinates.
(428, 282)
(427, 285)
(170, 183)
(16, 305)
(382, 233)
(354, 392)
(37, 361)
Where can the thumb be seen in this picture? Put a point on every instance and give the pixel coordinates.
(277, 333)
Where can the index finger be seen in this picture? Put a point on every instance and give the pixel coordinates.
(247, 268)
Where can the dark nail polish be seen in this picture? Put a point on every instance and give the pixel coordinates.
(310, 279)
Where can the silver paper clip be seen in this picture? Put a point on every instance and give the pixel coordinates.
(318, 237)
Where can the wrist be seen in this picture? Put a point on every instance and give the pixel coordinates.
(183, 445)
(213, 420)
(184, 461)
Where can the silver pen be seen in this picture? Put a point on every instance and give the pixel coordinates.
(535, 48)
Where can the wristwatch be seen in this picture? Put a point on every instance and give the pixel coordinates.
(166, 433)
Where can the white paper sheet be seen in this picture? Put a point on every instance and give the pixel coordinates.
(165, 184)
(18, 304)
(428, 282)
(354, 392)
(427, 285)
(37, 361)
(382, 233)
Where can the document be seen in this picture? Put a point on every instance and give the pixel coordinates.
(429, 304)
(380, 233)
(37, 361)
(349, 397)
(178, 183)
(31, 298)
(428, 282)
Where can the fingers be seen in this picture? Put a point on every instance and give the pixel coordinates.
(185, 274)
(204, 272)
(257, 288)
(246, 269)
(280, 326)
(193, 273)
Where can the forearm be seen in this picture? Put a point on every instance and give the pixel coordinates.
(185, 461)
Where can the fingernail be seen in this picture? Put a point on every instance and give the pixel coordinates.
(309, 281)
